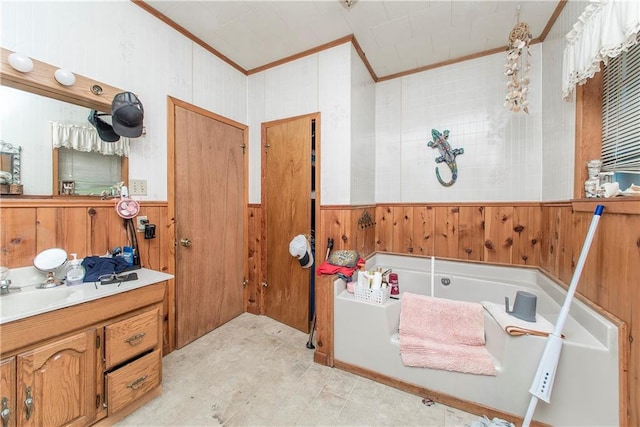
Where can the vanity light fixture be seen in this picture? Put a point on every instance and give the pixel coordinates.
(20, 62)
(64, 77)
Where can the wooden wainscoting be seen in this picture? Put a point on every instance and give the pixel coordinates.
(86, 227)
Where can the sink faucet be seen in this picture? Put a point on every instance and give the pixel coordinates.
(5, 284)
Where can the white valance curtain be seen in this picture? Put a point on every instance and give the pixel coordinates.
(85, 138)
(604, 30)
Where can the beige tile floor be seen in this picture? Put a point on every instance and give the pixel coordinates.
(255, 371)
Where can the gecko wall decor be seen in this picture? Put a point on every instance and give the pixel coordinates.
(447, 155)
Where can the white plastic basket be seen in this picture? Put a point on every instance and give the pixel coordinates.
(375, 296)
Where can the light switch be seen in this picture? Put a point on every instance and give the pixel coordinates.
(138, 187)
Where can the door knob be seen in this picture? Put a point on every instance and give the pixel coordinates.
(185, 242)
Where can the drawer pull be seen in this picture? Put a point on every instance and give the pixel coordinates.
(137, 383)
(6, 412)
(136, 339)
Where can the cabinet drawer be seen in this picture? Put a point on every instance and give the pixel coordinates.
(130, 337)
(133, 381)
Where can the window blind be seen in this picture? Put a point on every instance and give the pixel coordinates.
(92, 172)
(621, 113)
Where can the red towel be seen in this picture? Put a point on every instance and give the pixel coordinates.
(328, 268)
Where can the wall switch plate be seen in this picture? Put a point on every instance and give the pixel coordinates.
(138, 187)
(141, 221)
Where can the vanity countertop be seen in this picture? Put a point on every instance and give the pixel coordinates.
(30, 301)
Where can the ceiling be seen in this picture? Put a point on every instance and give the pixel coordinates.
(397, 36)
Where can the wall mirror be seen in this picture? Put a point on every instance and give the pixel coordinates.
(32, 102)
(9, 163)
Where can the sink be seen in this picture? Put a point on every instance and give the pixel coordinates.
(31, 301)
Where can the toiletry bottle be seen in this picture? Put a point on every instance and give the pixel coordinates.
(393, 281)
(75, 272)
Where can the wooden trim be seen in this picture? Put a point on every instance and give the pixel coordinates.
(42, 82)
(55, 157)
(588, 142)
(187, 34)
(552, 20)
(67, 202)
(436, 396)
(334, 43)
(620, 205)
(364, 59)
(171, 222)
(513, 204)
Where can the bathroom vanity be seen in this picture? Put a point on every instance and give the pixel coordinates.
(93, 355)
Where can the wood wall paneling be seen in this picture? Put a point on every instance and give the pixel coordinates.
(384, 229)
(527, 235)
(446, 231)
(498, 239)
(252, 292)
(17, 236)
(423, 229)
(470, 233)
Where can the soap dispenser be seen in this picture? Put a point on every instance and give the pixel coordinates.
(75, 273)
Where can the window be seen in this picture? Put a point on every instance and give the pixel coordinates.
(91, 173)
(621, 113)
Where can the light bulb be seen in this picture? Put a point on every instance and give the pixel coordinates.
(20, 62)
(65, 77)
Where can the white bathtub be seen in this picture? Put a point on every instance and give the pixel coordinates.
(585, 391)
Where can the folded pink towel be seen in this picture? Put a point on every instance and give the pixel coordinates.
(445, 334)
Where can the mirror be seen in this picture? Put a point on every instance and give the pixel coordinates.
(30, 101)
(9, 164)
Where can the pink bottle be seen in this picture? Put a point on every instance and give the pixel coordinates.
(393, 281)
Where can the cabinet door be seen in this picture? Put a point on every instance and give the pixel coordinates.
(8, 392)
(56, 382)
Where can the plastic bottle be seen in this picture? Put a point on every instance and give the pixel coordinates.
(75, 272)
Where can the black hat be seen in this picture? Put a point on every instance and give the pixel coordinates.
(127, 115)
(105, 131)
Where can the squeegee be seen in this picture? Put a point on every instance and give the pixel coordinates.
(546, 373)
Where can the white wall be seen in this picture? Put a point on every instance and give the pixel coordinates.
(558, 131)
(319, 82)
(502, 158)
(120, 44)
(363, 143)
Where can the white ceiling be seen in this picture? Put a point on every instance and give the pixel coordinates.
(396, 35)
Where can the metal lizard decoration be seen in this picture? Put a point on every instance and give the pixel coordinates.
(447, 155)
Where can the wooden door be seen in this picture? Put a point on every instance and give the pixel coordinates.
(60, 379)
(8, 392)
(286, 195)
(209, 216)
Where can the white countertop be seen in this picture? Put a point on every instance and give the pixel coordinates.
(30, 300)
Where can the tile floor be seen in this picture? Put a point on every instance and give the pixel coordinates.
(255, 371)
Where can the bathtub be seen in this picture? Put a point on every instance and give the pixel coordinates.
(586, 387)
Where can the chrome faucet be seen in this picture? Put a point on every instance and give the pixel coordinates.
(5, 284)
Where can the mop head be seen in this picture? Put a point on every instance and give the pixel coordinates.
(486, 422)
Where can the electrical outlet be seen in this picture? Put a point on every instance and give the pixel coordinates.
(141, 221)
(138, 187)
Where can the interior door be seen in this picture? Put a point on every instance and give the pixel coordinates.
(287, 203)
(209, 221)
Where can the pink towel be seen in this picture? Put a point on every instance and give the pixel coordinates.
(443, 334)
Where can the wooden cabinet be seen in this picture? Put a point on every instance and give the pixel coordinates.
(8, 392)
(94, 362)
(55, 382)
(132, 360)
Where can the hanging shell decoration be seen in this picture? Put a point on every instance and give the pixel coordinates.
(517, 68)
